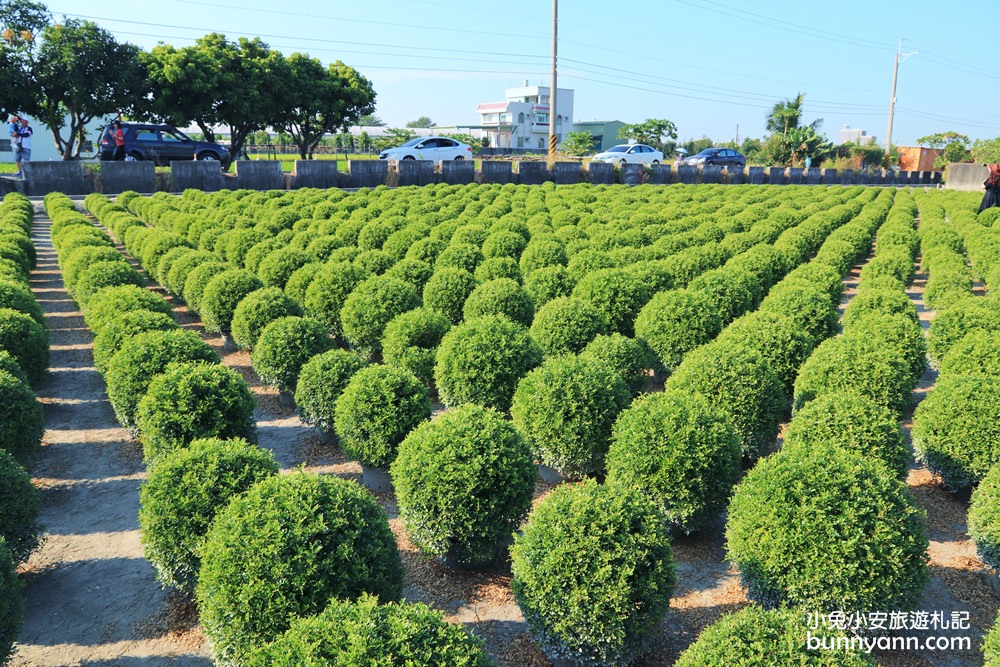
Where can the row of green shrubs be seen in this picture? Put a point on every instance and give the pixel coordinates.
(24, 359)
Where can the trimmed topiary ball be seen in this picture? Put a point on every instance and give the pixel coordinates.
(976, 354)
(859, 363)
(877, 561)
(377, 409)
(19, 297)
(11, 604)
(26, 340)
(184, 493)
(504, 244)
(194, 400)
(279, 266)
(498, 267)
(984, 518)
(482, 361)
(852, 421)
(8, 364)
(144, 356)
(412, 271)
(21, 502)
(777, 337)
(284, 346)
(619, 294)
(411, 340)
(809, 305)
(460, 256)
(114, 334)
(737, 380)
(732, 290)
(593, 573)
(179, 270)
(283, 550)
(630, 358)
(21, 420)
(299, 282)
(401, 633)
(198, 279)
(680, 451)
(677, 321)
(991, 645)
(464, 483)
(222, 294)
(99, 275)
(447, 291)
(371, 306)
(540, 253)
(78, 261)
(548, 283)
(899, 333)
(566, 325)
(881, 301)
(502, 296)
(755, 637)
(965, 317)
(329, 290)
(321, 381)
(566, 408)
(114, 301)
(256, 311)
(957, 427)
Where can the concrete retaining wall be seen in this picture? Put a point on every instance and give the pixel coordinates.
(117, 177)
(41, 178)
(367, 173)
(458, 172)
(966, 176)
(320, 174)
(202, 175)
(259, 175)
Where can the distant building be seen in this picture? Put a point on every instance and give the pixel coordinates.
(917, 158)
(522, 120)
(850, 135)
(605, 132)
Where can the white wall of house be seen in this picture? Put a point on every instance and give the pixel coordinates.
(43, 144)
(523, 119)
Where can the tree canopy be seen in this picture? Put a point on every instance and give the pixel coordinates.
(942, 139)
(652, 131)
(578, 143)
(423, 121)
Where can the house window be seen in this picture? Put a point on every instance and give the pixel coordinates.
(520, 117)
(504, 117)
(520, 142)
(541, 117)
(541, 142)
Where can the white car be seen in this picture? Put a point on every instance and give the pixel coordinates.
(429, 148)
(630, 153)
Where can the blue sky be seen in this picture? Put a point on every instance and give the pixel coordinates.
(713, 68)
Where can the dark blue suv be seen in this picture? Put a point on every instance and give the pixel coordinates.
(161, 144)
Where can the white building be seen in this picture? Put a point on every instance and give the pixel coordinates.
(522, 121)
(855, 136)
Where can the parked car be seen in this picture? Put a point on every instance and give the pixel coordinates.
(429, 148)
(630, 154)
(161, 144)
(720, 156)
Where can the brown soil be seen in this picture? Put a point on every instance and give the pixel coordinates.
(92, 599)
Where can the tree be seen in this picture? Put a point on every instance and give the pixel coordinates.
(321, 100)
(942, 139)
(652, 131)
(985, 151)
(786, 115)
(578, 143)
(423, 121)
(394, 136)
(695, 146)
(82, 72)
(370, 120)
(23, 21)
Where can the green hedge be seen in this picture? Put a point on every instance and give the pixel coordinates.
(20, 503)
(283, 550)
(284, 346)
(184, 493)
(464, 483)
(593, 573)
(874, 558)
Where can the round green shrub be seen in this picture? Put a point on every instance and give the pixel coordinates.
(21, 420)
(11, 604)
(859, 363)
(464, 483)
(82, 258)
(167, 261)
(877, 560)
(239, 242)
(284, 346)
(755, 637)
(283, 550)
(617, 293)
(222, 294)
(498, 267)
(371, 306)
(373, 262)
(541, 253)
(385, 634)
(566, 408)
(630, 358)
(897, 332)
(377, 409)
(412, 271)
(256, 311)
(504, 244)
(895, 264)
(411, 340)
(19, 297)
(482, 361)
(588, 261)
(852, 421)
(677, 321)
(11, 271)
(949, 326)
(321, 381)
(21, 502)
(184, 493)
(732, 291)
(976, 354)
(198, 279)
(593, 573)
(808, 304)
(105, 274)
(502, 296)
(299, 282)
(447, 290)
(737, 380)
(984, 517)
(329, 290)
(144, 356)
(114, 334)
(881, 301)
(777, 337)
(114, 301)
(680, 451)
(565, 325)
(956, 429)
(426, 250)
(991, 645)
(279, 266)
(156, 246)
(8, 364)
(193, 400)
(179, 270)
(548, 283)
(459, 256)
(26, 340)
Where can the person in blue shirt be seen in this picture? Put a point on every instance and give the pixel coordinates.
(13, 127)
(24, 135)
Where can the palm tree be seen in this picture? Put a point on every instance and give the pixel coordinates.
(785, 115)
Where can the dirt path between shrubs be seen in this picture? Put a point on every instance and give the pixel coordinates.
(92, 598)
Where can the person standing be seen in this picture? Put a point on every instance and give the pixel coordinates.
(13, 127)
(992, 185)
(24, 134)
(119, 137)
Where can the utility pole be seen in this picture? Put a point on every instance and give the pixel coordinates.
(892, 99)
(553, 140)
